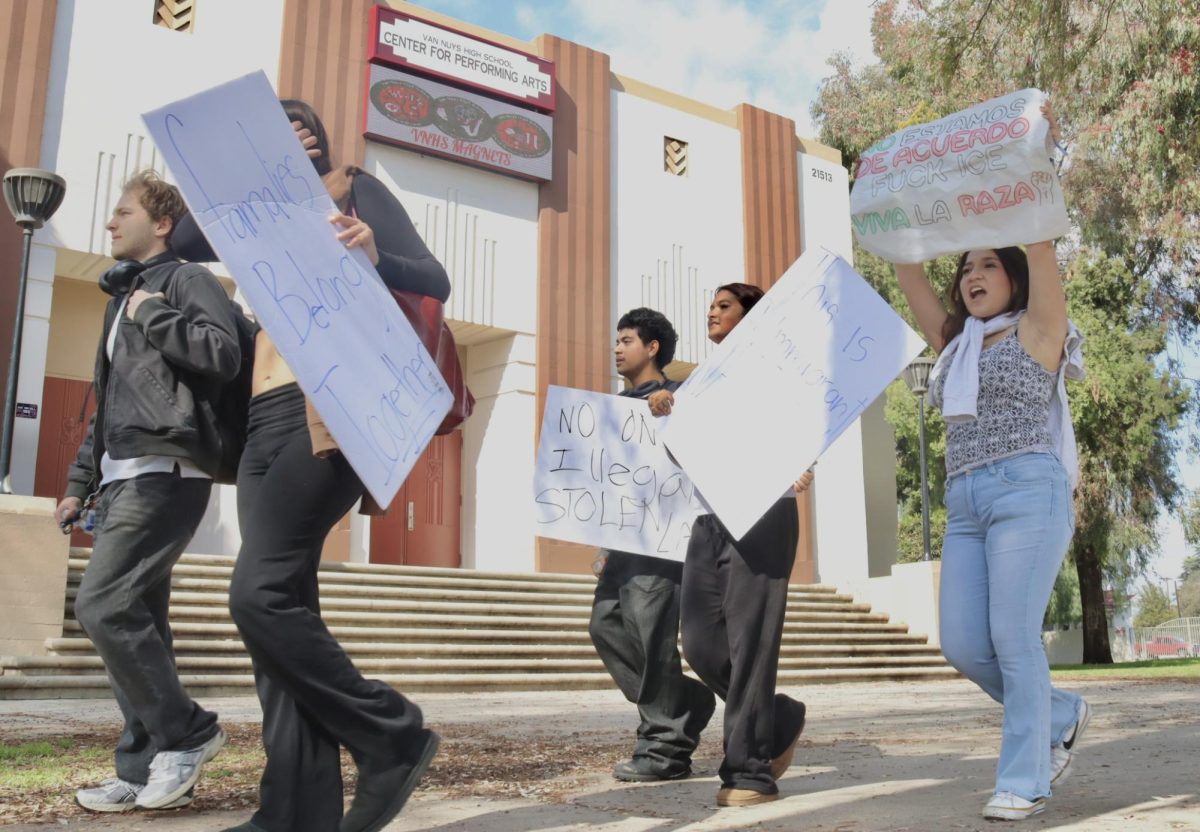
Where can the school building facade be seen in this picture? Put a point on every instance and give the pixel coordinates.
(619, 195)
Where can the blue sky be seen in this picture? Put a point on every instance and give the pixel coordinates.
(771, 53)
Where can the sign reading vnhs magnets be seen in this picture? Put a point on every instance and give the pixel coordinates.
(429, 117)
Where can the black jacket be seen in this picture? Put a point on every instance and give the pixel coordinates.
(169, 365)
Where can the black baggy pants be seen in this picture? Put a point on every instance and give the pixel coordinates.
(143, 525)
(734, 597)
(635, 629)
(313, 698)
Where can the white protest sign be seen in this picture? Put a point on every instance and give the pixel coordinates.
(811, 355)
(603, 477)
(250, 186)
(981, 178)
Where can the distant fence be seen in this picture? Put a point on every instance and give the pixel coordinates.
(1175, 639)
(1179, 638)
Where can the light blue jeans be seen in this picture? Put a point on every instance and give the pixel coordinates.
(1007, 530)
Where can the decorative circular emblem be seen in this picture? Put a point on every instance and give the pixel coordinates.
(521, 136)
(462, 119)
(403, 103)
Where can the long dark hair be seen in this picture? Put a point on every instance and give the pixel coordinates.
(745, 294)
(1016, 265)
(303, 112)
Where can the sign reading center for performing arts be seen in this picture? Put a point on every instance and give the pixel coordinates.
(407, 42)
(429, 117)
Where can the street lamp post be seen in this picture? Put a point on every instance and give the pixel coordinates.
(33, 196)
(916, 376)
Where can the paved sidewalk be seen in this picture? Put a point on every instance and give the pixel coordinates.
(895, 756)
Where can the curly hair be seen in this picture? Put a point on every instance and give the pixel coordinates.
(652, 326)
(159, 198)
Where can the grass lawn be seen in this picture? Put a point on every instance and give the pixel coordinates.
(1149, 669)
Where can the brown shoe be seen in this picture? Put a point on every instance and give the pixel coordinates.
(744, 797)
(782, 761)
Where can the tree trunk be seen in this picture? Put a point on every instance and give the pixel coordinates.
(1096, 649)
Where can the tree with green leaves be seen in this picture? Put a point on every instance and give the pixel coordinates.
(1154, 607)
(1123, 80)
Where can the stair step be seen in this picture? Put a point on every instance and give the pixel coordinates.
(517, 603)
(35, 687)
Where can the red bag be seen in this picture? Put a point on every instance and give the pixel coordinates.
(427, 316)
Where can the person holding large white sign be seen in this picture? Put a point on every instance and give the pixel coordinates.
(734, 597)
(1006, 348)
(295, 482)
(600, 458)
(980, 177)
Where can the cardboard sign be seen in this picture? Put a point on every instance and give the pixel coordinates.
(981, 178)
(264, 210)
(802, 365)
(603, 477)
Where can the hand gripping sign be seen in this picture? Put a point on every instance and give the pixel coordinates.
(603, 477)
(265, 212)
(981, 178)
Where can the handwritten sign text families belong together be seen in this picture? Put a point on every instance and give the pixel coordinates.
(266, 213)
(802, 365)
(603, 477)
(981, 178)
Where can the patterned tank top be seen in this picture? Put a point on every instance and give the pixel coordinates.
(1013, 409)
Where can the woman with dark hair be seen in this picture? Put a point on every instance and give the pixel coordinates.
(293, 486)
(732, 604)
(1006, 348)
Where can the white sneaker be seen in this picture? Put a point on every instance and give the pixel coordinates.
(1007, 806)
(1062, 756)
(1083, 715)
(1060, 764)
(117, 795)
(174, 773)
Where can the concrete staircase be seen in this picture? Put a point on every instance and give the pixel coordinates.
(426, 629)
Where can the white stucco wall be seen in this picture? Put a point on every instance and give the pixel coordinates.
(675, 238)
(109, 64)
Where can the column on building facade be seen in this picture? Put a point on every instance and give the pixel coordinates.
(575, 247)
(26, 40)
(771, 208)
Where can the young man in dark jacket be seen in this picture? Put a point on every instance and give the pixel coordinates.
(635, 614)
(168, 346)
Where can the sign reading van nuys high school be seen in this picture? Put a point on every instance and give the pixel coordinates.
(407, 42)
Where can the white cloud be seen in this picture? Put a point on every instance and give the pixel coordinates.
(770, 53)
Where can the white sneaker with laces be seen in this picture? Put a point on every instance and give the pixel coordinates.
(174, 773)
(1007, 806)
(117, 795)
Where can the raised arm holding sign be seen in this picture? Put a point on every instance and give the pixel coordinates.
(1005, 350)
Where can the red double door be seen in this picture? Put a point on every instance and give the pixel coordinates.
(421, 527)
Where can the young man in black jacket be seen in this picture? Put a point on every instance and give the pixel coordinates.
(635, 614)
(168, 346)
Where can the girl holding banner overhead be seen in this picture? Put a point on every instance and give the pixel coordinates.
(293, 486)
(732, 603)
(1006, 348)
